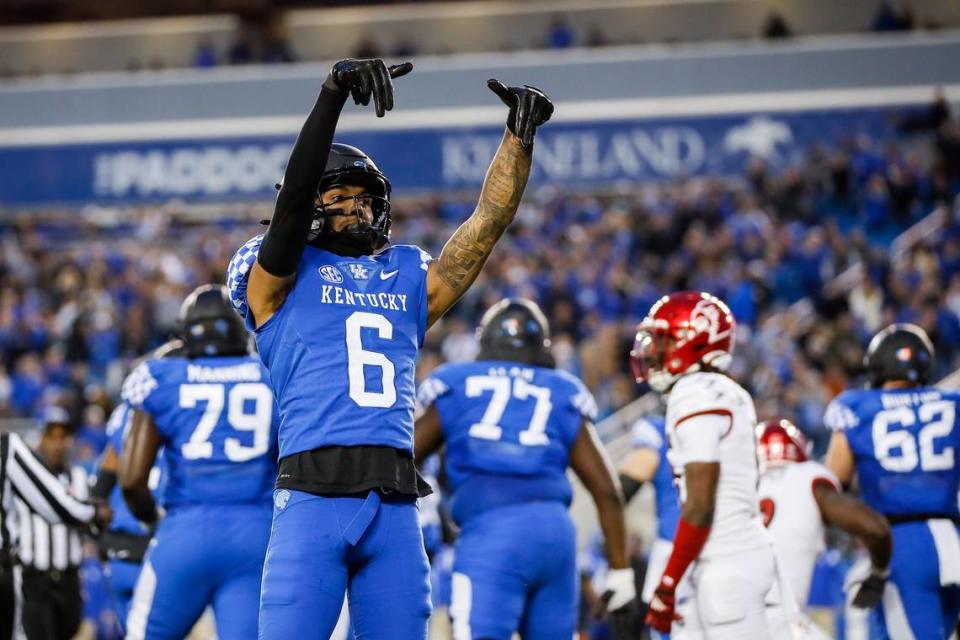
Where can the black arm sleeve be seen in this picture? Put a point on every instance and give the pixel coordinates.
(630, 486)
(286, 237)
(106, 481)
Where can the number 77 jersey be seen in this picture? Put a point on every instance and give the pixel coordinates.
(509, 429)
(218, 422)
(904, 442)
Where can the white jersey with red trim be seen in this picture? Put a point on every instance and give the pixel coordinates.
(793, 518)
(711, 418)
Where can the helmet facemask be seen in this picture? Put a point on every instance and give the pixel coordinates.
(651, 353)
(359, 237)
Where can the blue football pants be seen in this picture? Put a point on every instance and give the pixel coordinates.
(914, 604)
(209, 555)
(122, 580)
(322, 547)
(515, 569)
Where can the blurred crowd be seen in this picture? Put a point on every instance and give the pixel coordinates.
(84, 293)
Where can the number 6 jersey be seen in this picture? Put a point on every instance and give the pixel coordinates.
(904, 443)
(218, 422)
(342, 349)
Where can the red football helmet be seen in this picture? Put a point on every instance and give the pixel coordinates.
(682, 332)
(779, 442)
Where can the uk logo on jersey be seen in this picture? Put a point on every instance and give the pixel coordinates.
(280, 499)
(330, 273)
(358, 271)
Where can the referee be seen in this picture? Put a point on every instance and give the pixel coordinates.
(23, 477)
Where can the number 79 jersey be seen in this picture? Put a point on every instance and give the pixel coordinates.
(342, 349)
(218, 422)
(508, 430)
(904, 442)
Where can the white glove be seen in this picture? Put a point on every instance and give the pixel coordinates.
(619, 589)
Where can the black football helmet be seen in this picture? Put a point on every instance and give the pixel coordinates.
(349, 166)
(900, 352)
(209, 326)
(515, 329)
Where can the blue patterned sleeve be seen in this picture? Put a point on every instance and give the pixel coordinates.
(139, 386)
(839, 416)
(238, 274)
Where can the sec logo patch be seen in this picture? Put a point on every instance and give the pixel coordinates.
(330, 273)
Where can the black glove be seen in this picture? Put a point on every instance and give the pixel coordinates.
(871, 590)
(363, 78)
(529, 108)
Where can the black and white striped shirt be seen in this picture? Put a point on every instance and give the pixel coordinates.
(44, 546)
(23, 478)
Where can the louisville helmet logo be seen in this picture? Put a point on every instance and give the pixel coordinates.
(705, 319)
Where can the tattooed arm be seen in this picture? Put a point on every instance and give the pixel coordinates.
(467, 250)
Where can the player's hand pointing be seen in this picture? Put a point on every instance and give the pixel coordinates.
(366, 78)
(529, 108)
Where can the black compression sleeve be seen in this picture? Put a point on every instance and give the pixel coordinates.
(286, 237)
(106, 481)
(630, 486)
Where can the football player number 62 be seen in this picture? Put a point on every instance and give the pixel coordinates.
(897, 449)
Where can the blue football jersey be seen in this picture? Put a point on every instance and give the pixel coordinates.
(123, 520)
(650, 433)
(508, 430)
(218, 420)
(904, 442)
(342, 349)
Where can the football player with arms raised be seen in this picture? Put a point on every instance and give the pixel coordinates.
(511, 424)
(900, 438)
(682, 349)
(339, 316)
(798, 498)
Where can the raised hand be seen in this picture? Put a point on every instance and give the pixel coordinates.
(366, 78)
(529, 108)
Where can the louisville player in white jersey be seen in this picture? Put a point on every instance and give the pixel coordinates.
(682, 349)
(799, 497)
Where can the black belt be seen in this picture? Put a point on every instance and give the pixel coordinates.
(921, 517)
(126, 547)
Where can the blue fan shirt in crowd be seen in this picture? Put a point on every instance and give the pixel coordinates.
(217, 421)
(123, 574)
(650, 433)
(342, 352)
(905, 444)
(508, 431)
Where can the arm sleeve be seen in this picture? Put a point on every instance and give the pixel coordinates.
(286, 237)
(40, 489)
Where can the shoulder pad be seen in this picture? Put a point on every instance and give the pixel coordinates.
(839, 414)
(139, 385)
(238, 273)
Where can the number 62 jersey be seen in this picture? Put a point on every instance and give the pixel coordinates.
(905, 445)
